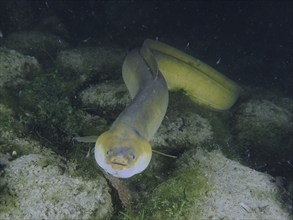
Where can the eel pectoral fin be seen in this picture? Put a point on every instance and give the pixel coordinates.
(86, 139)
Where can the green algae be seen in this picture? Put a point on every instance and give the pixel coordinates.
(86, 165)
(45, 114)
(172, 197)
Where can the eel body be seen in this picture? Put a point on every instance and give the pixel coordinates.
(148, 73)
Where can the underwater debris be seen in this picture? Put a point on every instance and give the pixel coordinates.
(123, 192)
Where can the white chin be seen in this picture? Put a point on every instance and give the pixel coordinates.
(140, 165)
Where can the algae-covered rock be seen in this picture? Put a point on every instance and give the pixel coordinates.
(87, 62)
(182, 129)
(238, 191)
(42, 45)
(264, 132)
(210, 186)
(37, 184)
(8, 121)
(12, 141)
(108, 96)
(40, 187)
(173, 198)
(16, 69)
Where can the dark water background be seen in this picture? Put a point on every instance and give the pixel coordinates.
(251, 39)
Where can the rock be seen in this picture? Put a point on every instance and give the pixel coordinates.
(35, 183)
(41, 187)
(264, 132)
(16, 69)
(43, 46)
(108, 96)
(87, 62)
(8, 122)
(182, 129)
(11, 136)
(210, 186)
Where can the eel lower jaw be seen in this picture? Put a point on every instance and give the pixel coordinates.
(118, 163)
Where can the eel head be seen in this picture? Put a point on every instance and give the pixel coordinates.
(122, 155)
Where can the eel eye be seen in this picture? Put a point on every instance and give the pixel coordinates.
(132, 156)
(109, 152)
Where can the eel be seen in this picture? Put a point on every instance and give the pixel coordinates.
(149, 72)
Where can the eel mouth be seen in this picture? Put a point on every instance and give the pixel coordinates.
(118, 163)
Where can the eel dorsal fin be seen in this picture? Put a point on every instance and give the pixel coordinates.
(149, 58)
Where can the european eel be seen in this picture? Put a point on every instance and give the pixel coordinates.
(124, 150)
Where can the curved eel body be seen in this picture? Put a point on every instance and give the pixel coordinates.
(148, 73)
